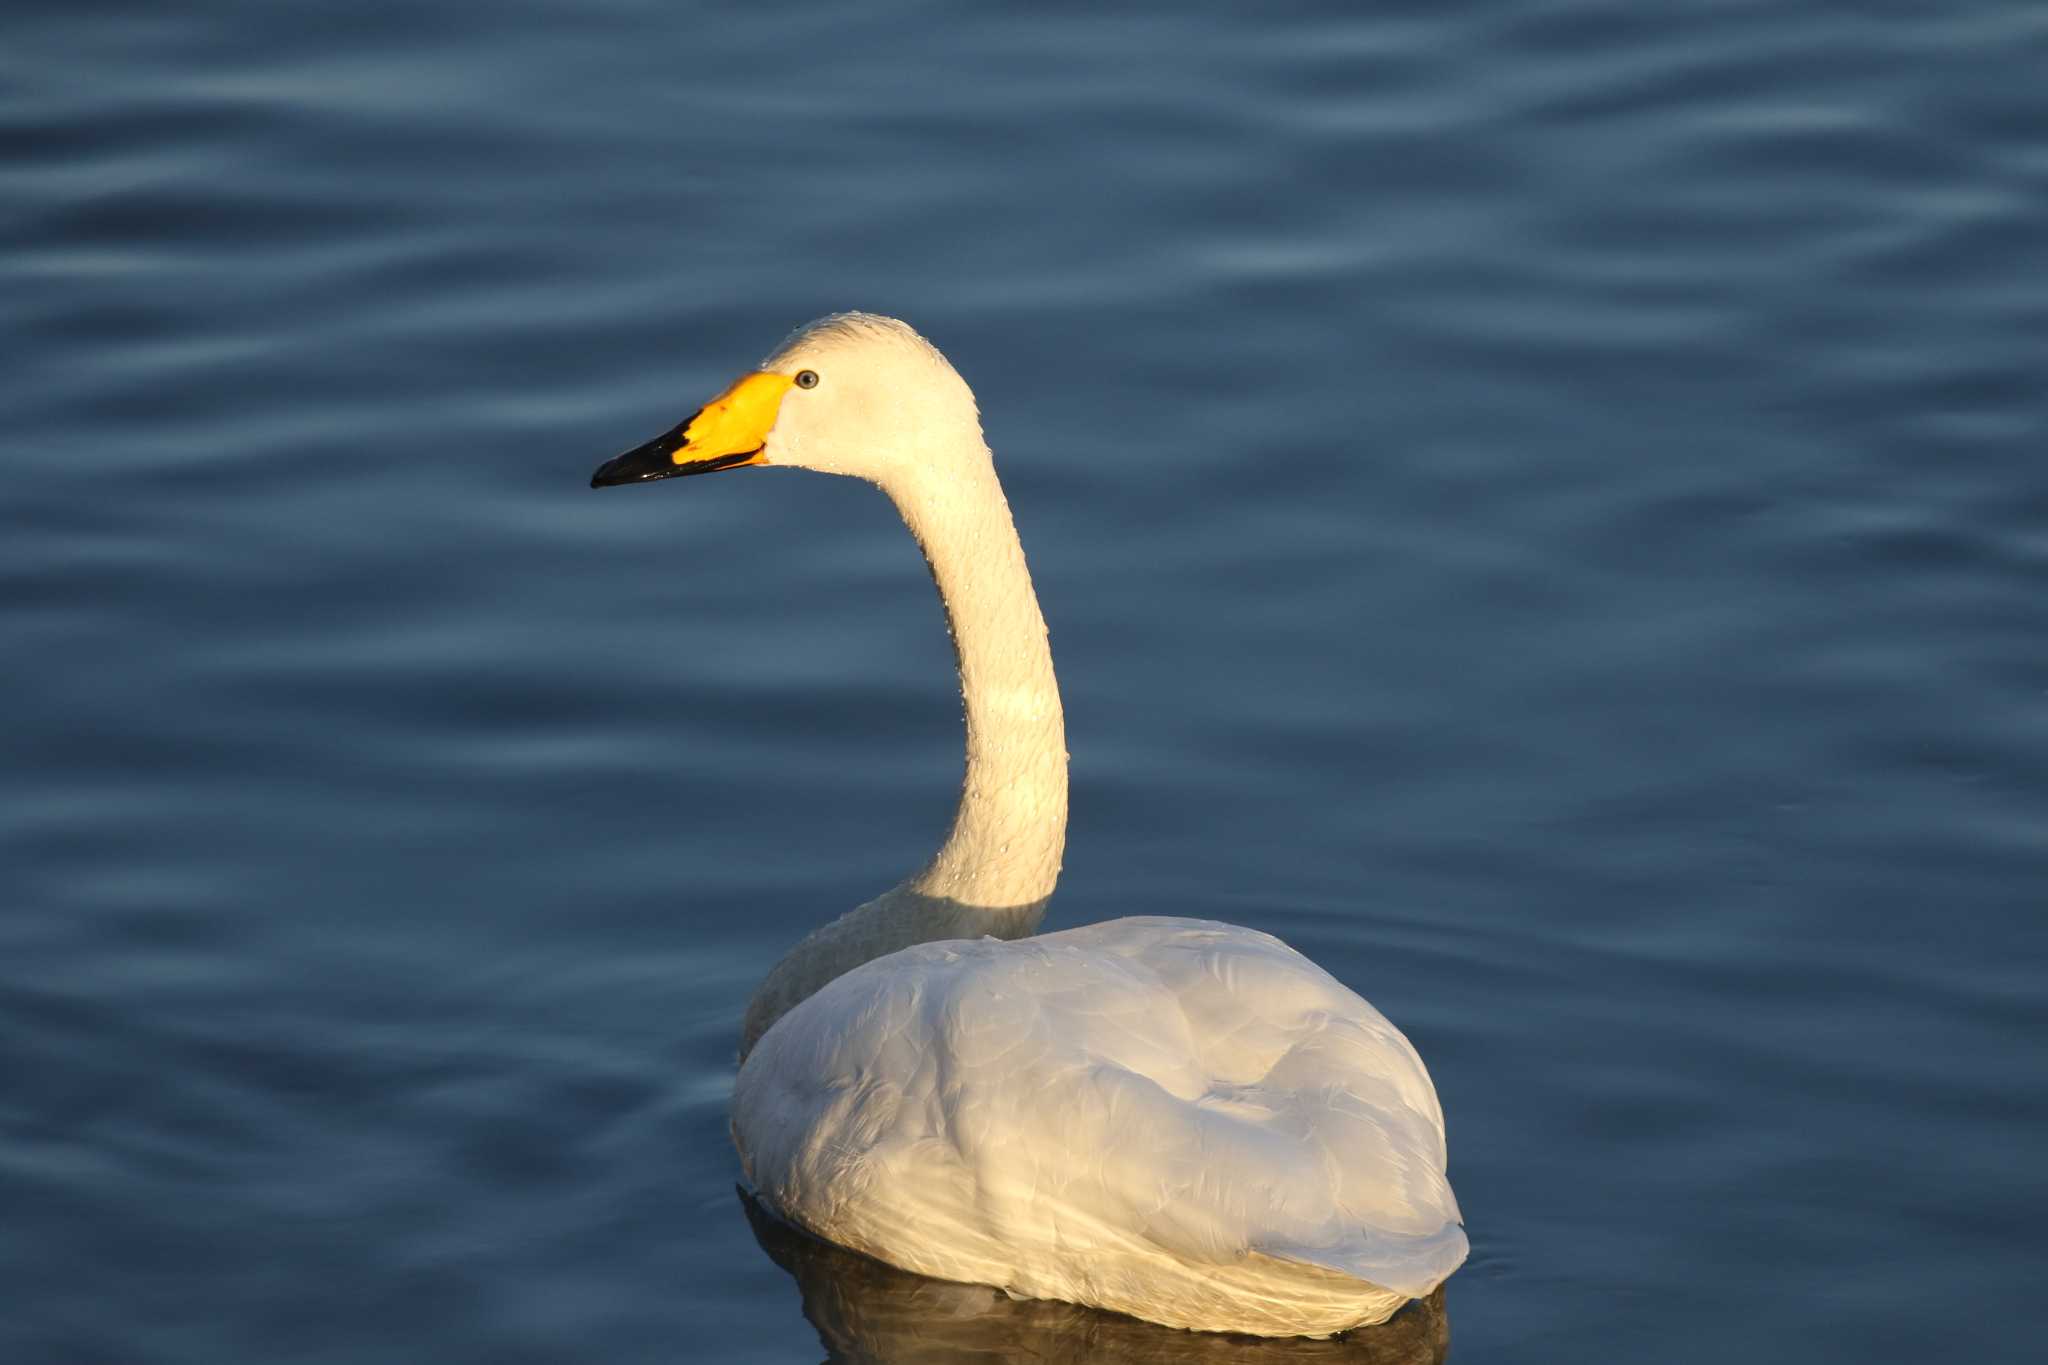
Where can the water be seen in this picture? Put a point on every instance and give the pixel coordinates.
(1542, 506)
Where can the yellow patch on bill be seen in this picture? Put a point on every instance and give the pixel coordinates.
(737, 422)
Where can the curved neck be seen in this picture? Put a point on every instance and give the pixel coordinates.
(997, 867)
(1003, 853)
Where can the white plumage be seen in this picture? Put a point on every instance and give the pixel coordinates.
(1181, 1120)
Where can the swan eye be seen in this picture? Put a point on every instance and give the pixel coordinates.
(807, 379)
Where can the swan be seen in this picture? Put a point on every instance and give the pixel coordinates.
(1180, 1120)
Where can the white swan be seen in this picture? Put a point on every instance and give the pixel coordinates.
(1185, 1121)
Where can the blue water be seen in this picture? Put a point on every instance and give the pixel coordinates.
(1543, 506)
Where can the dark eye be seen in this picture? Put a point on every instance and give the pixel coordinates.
(807, 379)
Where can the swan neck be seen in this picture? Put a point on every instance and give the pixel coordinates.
(1002, 854)
(996, 869)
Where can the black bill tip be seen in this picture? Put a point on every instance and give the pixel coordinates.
(653, 460)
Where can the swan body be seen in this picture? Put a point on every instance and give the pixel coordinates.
(1181, 1120)
(1185, 1121)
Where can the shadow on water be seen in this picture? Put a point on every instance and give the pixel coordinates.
(874, 1314)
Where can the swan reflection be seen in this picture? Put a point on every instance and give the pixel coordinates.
(874, 1314)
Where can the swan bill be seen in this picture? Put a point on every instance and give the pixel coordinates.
(728, 432)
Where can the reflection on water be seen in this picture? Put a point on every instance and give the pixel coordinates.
(869, 1312)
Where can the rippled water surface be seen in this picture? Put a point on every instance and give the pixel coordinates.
(1543, 506)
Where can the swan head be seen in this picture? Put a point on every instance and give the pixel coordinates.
(853, 393)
